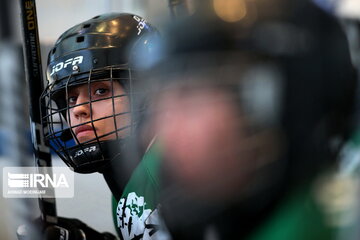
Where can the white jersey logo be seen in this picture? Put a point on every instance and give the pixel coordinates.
(135, 220)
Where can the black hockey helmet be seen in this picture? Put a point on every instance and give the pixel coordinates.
(108, 48)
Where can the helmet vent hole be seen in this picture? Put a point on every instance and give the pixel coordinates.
(53, 51)
(86, 26)
(80, 39)
(96, 17)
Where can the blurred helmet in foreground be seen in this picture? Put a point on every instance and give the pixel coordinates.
(245, 113)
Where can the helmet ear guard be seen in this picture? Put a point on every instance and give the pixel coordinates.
(87, 54)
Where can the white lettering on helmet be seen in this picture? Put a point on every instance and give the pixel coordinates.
(141, 24)
(67, 62)
(88, 149)
(61, 65)
(77, 60)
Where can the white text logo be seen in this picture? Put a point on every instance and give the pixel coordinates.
(32, 182)
(88, 149)
(69, 62)
(19, 180)
(141, 24)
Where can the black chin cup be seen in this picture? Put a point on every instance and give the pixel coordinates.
(93, 157)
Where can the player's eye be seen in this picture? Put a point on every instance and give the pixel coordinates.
(101, 91)
(72, 100)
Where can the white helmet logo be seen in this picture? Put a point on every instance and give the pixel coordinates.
(69, 62)
(141, 24)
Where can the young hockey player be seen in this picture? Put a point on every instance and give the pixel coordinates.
(92, 107)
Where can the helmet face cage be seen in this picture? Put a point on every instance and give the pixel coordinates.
(61, 130)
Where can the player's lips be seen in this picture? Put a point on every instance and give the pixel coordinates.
(83, 129)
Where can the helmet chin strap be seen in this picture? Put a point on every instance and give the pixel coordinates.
(91, 157)
(106, 157)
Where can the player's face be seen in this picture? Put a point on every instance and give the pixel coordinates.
(98, 116)
(206, 139)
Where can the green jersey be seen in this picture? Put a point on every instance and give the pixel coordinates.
(137, 214)
(316, 211)
(324, 210)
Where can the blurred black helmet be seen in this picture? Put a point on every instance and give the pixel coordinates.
(107, 48)
(304, 62)
(286, 72)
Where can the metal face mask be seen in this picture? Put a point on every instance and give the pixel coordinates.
(86, 117)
